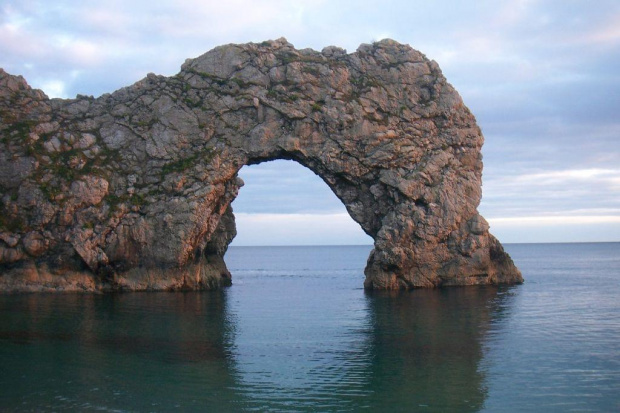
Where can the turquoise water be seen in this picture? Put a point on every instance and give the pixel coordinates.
(296, 332)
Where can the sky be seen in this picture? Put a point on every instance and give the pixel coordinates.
(541, 77)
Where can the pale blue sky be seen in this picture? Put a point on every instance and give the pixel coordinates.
(542, 78)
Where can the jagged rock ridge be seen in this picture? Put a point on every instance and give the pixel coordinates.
(132, 190)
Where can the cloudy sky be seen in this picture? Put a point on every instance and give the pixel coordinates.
(542, 78)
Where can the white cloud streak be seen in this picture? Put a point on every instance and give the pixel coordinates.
(609, 178)
(298, 229)
(561, 219)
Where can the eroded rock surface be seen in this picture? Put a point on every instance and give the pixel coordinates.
(132, 190)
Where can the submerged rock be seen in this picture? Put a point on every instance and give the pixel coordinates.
(132, 190)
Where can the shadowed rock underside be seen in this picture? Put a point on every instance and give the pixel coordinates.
(132, 190)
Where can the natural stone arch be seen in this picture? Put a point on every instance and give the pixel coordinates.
(132, 190)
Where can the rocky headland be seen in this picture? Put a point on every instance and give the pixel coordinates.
(132, 190)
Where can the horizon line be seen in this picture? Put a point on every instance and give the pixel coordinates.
(371, 245)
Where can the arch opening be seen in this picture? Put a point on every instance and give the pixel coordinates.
(284, 203)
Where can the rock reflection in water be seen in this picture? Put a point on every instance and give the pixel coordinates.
(232, 351)
(151, 351)
(395, 351)
(427, 346)
(177, 327)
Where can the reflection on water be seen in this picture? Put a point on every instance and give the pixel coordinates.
(184, 351)
(427, 346)
(151, 351)
(169, 327)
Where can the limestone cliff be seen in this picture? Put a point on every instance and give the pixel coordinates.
(132, 190)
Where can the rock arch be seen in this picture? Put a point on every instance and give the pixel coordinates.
(132, 190)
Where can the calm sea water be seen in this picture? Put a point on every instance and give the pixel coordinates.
(297, 332)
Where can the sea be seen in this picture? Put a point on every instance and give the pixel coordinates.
(297, 332)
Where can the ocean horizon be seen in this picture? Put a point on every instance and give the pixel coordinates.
(371, 245)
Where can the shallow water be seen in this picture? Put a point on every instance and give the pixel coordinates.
(297, 332)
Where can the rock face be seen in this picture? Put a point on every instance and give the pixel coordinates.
(132, 190)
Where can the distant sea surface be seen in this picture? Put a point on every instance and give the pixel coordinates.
(296, 332)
